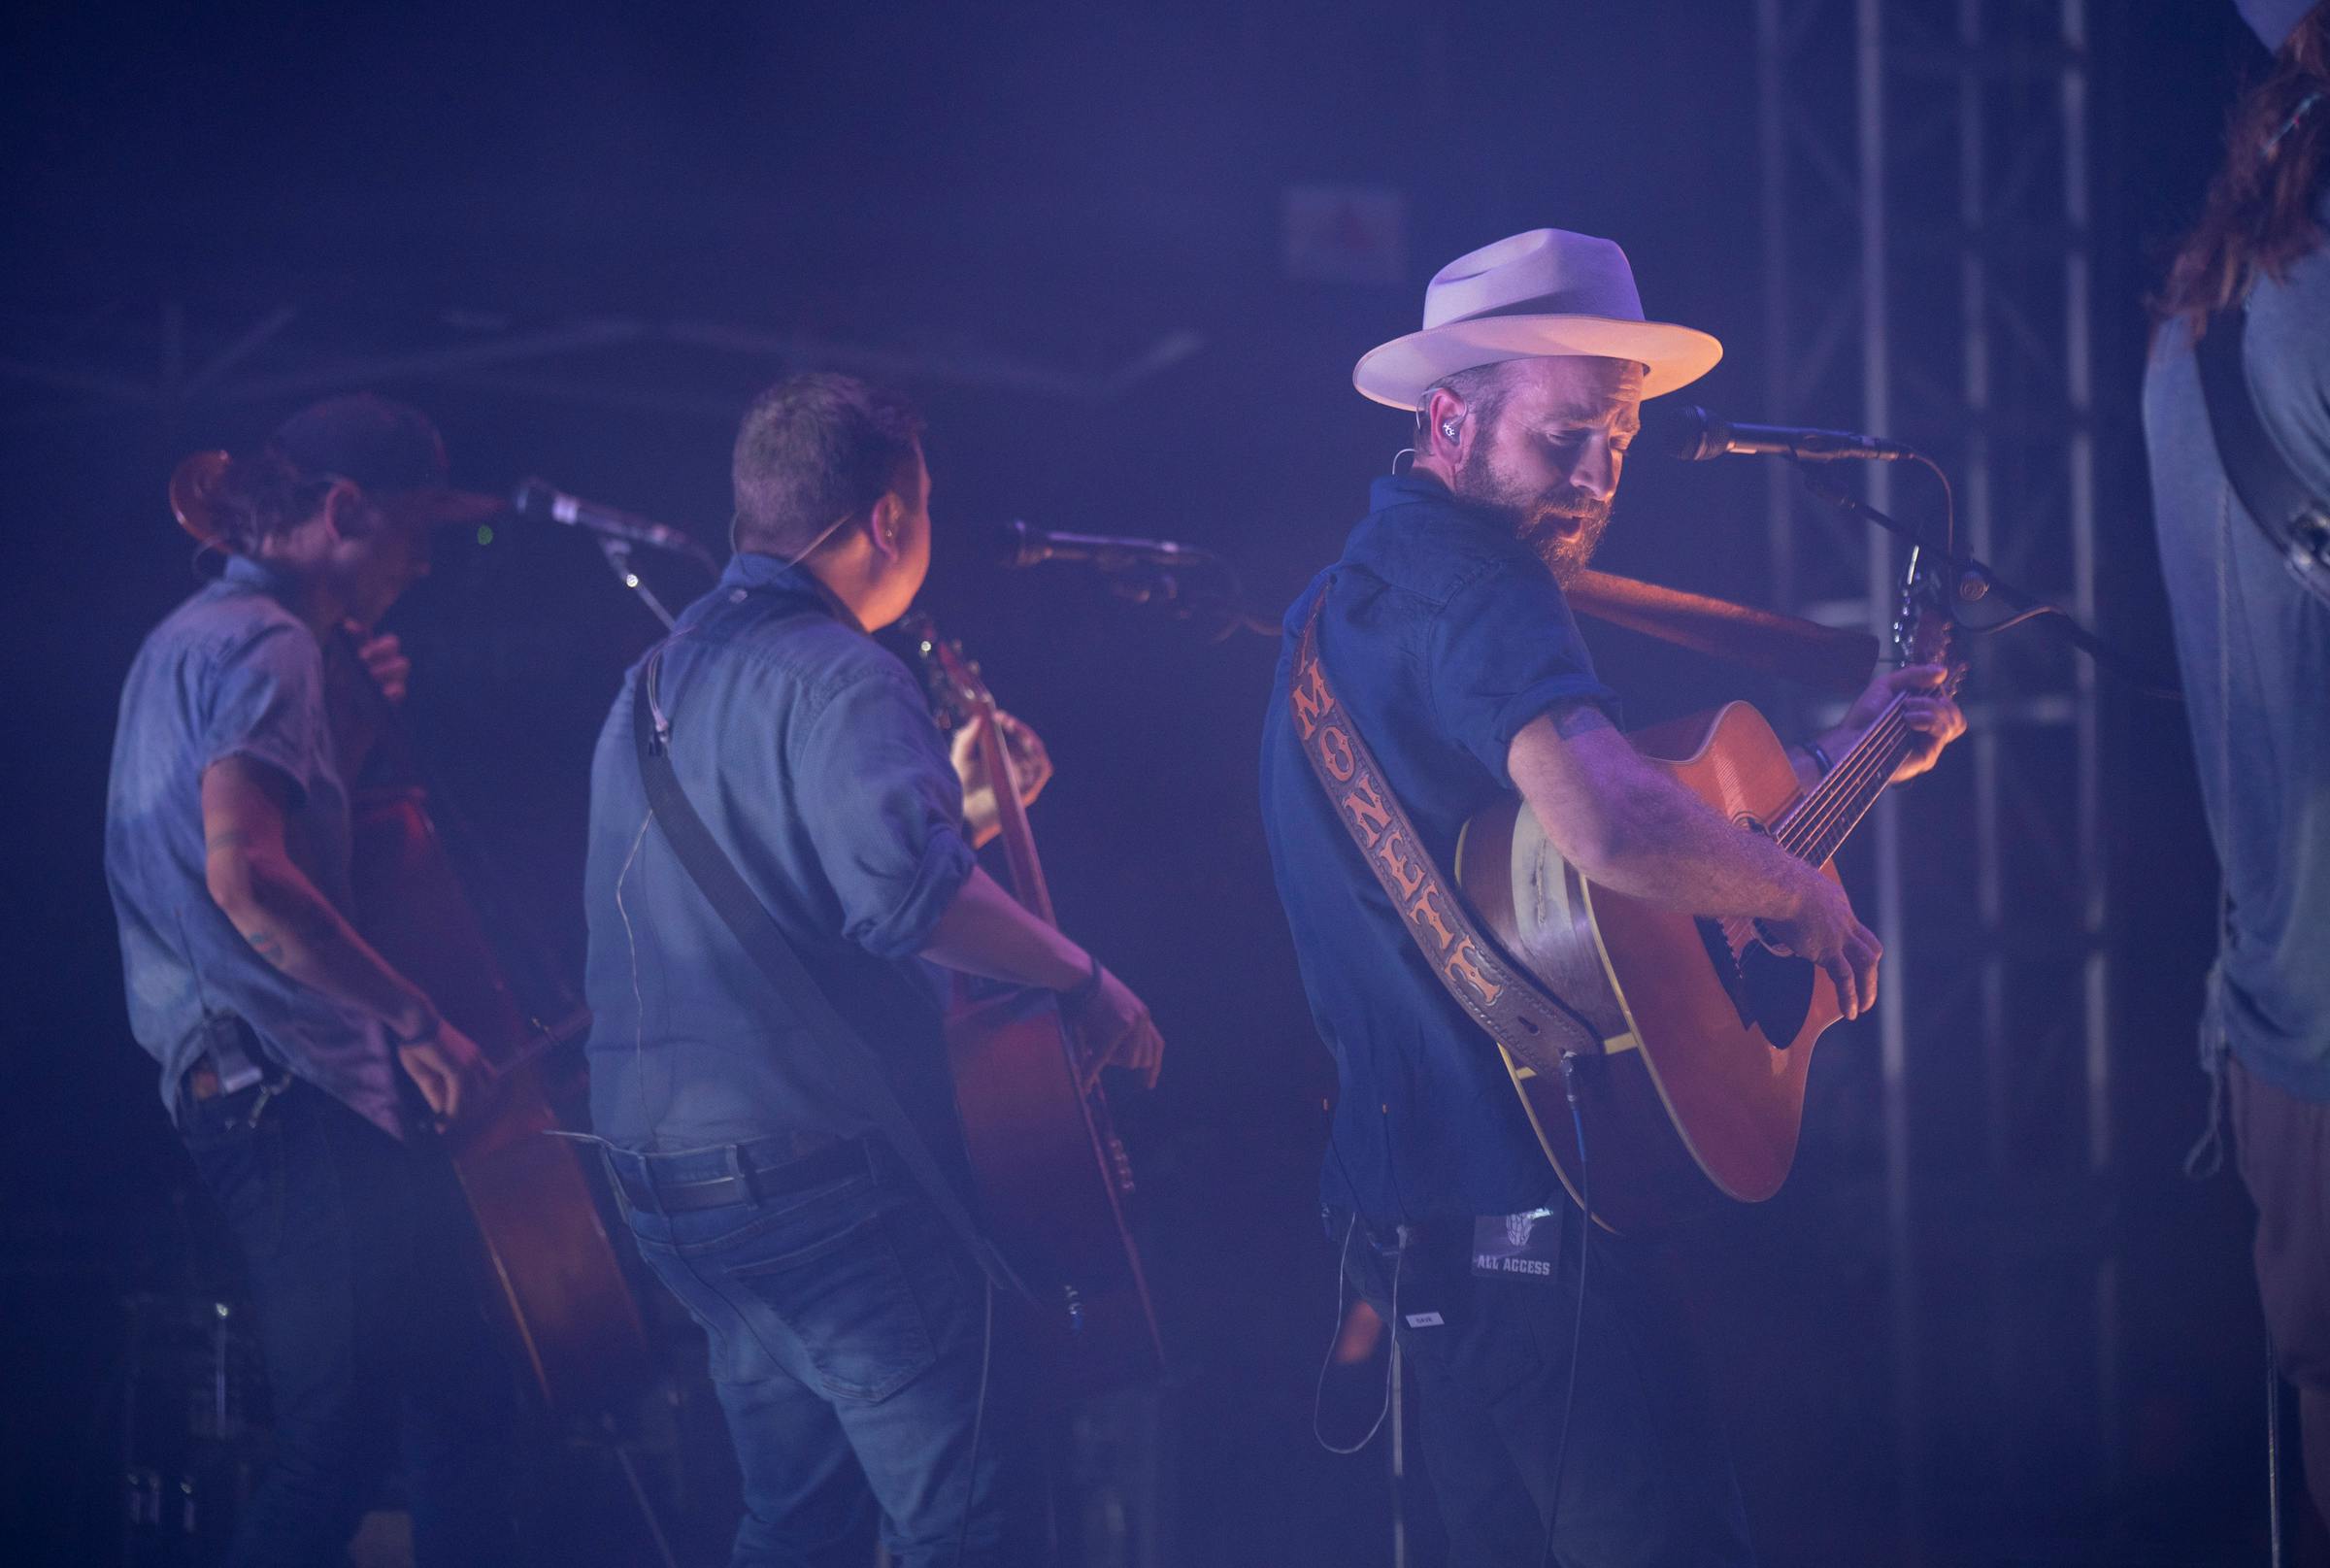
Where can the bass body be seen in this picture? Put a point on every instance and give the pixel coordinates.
(1707, 1033)
(1053, 1175)
(550, 1273)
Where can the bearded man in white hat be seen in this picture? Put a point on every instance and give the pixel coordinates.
(1452, 653)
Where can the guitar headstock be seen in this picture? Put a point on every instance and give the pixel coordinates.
(1923, 621)
(958, 693)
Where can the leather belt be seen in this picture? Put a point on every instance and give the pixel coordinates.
(768, 1168)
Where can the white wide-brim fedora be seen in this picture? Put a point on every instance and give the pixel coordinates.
(1544, 294)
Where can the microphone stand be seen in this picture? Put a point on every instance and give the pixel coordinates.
(1220, 608)
(617, 553)
(1975, 580)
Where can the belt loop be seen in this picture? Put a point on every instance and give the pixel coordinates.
(615, 1179)
(646, 1179)
(743, 1171)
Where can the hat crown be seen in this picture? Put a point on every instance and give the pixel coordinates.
(1545, 272)
(382, 445)
(2273, 20)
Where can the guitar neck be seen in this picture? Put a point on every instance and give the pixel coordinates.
(1011, 814)
(1821, 821)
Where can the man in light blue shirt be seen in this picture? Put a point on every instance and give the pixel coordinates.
(2254, 649)
(292, 1056)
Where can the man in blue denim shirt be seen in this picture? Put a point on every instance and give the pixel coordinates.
(280, 1035)
(2254, 649)
(847, 1325)
(1444, 633)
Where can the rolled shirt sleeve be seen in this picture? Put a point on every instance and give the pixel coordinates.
(883, 807)
(265, 701)
(1504, 649)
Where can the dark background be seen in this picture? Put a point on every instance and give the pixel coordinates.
(975, 191)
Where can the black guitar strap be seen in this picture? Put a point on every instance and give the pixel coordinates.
(756, 931)
(2295, 520)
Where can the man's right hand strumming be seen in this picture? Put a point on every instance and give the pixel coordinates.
(1119, 1032)
(986, 931)
(1631, 828)
(1825, 929)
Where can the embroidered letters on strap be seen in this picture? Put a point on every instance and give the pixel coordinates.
(1517, 1012)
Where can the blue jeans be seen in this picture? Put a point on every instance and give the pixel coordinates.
(1647, 1481)
(846, 1330)
(356, 1250)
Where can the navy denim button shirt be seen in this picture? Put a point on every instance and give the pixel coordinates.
(232, 672)
(1443, 635)
(810, 752)
(2254, 651)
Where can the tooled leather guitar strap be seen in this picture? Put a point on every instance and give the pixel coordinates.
(1534, 1026)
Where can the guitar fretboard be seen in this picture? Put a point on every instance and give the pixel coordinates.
(1824, 819)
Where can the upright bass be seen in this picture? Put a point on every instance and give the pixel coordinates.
(1053, 1173)
(547, 1269)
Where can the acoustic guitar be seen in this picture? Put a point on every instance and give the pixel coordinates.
(1706, 1025)
(1053, 1173)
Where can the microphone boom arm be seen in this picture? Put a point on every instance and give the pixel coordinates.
(1975, 580)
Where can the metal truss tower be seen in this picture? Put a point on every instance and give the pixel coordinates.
(1927, 262)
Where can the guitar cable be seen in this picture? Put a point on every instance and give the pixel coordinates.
(1585, 1248)
(1318, 1394)
(978, 1416)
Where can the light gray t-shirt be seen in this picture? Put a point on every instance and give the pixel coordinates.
(2254, 650)
(232, 672)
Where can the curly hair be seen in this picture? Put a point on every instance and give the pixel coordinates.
(262, 498)
(2260, 213)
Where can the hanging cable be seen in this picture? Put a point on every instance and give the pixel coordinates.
(1585, 1247)
(1319, 1394)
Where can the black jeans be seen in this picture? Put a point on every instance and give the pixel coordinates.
(356, 1250)
(1647, 1479)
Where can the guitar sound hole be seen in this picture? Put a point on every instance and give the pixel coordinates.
(1778, 992)
(1771, 993)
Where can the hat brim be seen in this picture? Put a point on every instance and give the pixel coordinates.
(435, 507)
(1400, 372)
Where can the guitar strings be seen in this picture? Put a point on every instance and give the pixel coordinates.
(1839, 795)
(1835, 804)
(1839, 798)
(1829, 804)
(1818, 811)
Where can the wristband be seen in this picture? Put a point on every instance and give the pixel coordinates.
(430, 1032)
(1078, 996)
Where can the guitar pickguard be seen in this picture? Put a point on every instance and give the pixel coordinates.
(1772, 993)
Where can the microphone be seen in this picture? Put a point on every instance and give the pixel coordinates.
(1690, 434)
(535, 498)
(1023, 547)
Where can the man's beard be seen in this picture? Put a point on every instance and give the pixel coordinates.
(1562, 526)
